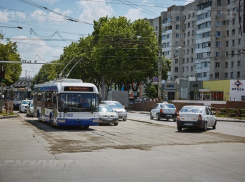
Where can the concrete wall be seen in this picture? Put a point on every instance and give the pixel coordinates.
(120, 96)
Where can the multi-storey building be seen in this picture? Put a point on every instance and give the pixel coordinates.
(203, 39)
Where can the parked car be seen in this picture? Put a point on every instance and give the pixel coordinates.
(196, 116)
(107, 115)
(29, 109)
(118, 108)
(23, 105)
(163, 110)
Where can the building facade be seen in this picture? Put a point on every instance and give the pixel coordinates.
(203, 39)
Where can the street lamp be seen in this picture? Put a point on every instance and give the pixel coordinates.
(11, 27)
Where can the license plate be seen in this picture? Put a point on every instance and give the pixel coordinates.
(169, 116)
(188, 124)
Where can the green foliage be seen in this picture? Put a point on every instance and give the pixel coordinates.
(150, 90)
(46, 73)
(9, 52)
(122, 57)
(166, 67)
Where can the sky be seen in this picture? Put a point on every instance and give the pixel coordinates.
(46, 31)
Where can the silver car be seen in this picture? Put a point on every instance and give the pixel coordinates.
(107, 115)
(23, 105)
(118, 108)
(29, 109)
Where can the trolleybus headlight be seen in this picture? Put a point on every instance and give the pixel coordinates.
(62, 121)
(96, 120)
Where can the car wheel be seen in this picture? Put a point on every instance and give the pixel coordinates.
(167, 119)
(179, 128)
(115, 124)
(158, 117)
(124, 119)
(151, 116)
(86, 127)
(214, 126)
(205, 126)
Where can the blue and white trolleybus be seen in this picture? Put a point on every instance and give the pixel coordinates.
(66, 102)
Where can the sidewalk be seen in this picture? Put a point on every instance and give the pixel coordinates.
(218, 118)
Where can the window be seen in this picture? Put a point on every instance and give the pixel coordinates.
(233, 32)
(217, 64)
(187, 68)
(216, 75)
(238, 74)
(232, 64)
(218, 2)
(232, 75)
(232, 53)
(217, 54)
(183, 61)
(177, 18)
(189, 16)
(189, 25)
(176, 69)
(176, 61)
(226, 64)
(204, 74)
(218, 23)
(177, 27)
(233, 21)
(228, 22)
(183, 69)
(218, 34)
(226, 75)
(238, 63)
(233, 42)
(228, 2)
(226, 54)
(227, 33)
(177, 35)
(218, 44)
(187, 51)
(191, 60)
(239, 41)
(191, 68)
(192, 50)
(227, 43)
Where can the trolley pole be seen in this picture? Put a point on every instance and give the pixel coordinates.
(1, 101)
(160, 74)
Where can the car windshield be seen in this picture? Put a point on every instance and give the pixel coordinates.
(25, 102)
(192, 109)
(79, 102)
(167, 106)
(105, 109)
(114, 104)
(32, 104)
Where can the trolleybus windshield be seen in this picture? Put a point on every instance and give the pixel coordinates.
(78, 102)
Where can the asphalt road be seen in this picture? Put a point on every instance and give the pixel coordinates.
(132, 151)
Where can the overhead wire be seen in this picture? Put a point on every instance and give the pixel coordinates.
(29, 2)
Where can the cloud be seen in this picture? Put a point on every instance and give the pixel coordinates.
(134, 14)
(4, 16)
(189, 1)
(51, 1)
(91, 10)
(35, 49)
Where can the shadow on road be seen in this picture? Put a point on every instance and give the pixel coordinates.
(192, 130)
(47, 128)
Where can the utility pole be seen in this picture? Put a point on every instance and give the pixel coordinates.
(160, 61)
(1, 101)
(160, 74)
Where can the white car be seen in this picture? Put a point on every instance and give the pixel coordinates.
(196, 116)
(107, 115)
(23, 105)
(163, 110)
(29, 109)
(118, 108)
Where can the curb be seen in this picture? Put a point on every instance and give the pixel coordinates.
(6, 117)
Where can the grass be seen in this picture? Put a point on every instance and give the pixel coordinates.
(4, 114)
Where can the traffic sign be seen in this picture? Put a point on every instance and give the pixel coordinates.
(155, 79)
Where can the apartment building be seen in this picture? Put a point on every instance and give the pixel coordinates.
(203, 39)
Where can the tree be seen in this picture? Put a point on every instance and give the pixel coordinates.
(46, 73)
(9, 52)
(150, 90)
(122, 57)
(166, 62)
